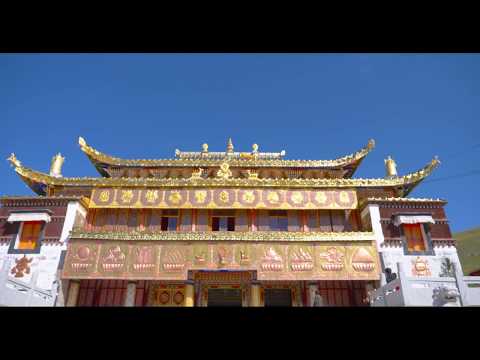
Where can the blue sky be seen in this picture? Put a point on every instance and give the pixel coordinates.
(314, 106)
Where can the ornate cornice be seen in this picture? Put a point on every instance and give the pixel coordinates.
(21, 201)
(280, 236)
(234, 161)
(404, 184)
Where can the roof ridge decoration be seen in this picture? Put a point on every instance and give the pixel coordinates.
(38, 181)
(236, 159)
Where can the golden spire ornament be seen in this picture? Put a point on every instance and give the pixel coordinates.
(56, 166)
(390, 167)
(230, 146)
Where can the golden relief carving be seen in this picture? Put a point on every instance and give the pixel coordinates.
(175, 197)
(334, 259)
(127, 196)
(151, 196)
(344, 198)
(224, 172)
(272, 261)
(248, 197)
(273, 197)
(200, 196)
(362, 260)
(224, 196)
(104, 196)
(321, 198)
(297, 197)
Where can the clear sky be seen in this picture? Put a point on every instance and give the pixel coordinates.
(314, 106)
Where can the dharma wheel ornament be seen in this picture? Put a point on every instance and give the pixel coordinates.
(391, 167)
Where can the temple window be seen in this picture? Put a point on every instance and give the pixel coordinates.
(414, 231)
(223, 220)
(30, 231)
(278, 220)
(169, 220)
(414, 237)
(223, 223)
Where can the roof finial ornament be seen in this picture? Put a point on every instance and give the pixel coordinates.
(205, 148)
(391, 167)
(230, 146)
(14, 161)
(56, 166)
(82, 142)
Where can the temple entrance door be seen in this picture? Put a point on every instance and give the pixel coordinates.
(278, 297)
(224, 297)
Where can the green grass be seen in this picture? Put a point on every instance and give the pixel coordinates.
(468, 247)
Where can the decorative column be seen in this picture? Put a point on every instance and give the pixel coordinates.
(255, 294)
(130, 295)
(73, 291)
(189, 293)
(312, 289)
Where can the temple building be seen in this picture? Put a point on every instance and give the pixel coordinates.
(226, 228)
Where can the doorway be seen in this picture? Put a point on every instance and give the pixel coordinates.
(224, 297)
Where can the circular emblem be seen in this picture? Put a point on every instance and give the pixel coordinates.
(223, 198)
(175, 197)
(83, 252)
(344, 198)
(178, 298)
(297, 198)
(248, 197)
(164, 297)
(273, 198)
(320, 198)
(200, 197)
(103, 196)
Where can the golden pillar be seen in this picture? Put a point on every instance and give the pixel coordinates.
(255, 294)
(73, 291)
(189, 294)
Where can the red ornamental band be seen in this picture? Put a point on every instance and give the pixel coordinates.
(224, 198)
(273, 261)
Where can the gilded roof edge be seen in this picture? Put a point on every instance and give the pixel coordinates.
(99, 157)
(407, 181)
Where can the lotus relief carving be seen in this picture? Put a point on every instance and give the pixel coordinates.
(334, 260)
(272, 261)
(363, 261)
(144, 259)
(174, 261)
(301, 260)
(81, 259)
(114, 259)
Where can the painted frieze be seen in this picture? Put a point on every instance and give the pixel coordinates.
(226, 198)
(171, 260)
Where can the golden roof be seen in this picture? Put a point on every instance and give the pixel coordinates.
(39, 180)
(199, 159)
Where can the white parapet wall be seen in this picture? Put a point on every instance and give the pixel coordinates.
(39, 286)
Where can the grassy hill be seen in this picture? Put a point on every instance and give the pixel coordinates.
(468, 247)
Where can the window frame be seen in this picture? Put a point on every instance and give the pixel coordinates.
(276, 214)
(165, 214)
(424, 228)
(16, 240)
(227, 221)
